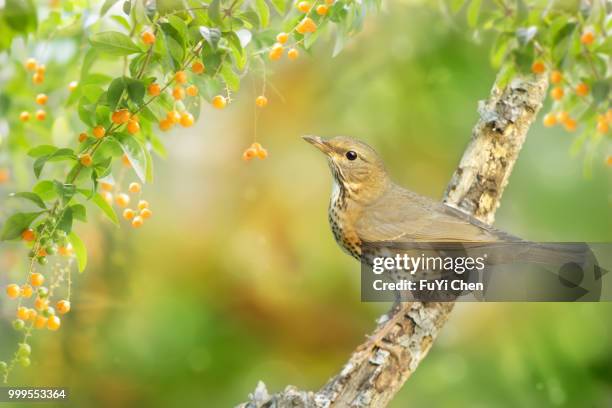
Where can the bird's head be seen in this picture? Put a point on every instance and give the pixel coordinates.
(354, 165)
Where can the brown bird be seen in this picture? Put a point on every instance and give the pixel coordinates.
(367, 206)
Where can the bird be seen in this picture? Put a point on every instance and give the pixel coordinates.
(367, 206)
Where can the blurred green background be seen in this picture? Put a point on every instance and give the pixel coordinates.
(237, 277)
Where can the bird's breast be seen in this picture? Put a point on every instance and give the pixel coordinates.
(341, 220)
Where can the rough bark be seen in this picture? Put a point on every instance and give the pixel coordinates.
(373, 375)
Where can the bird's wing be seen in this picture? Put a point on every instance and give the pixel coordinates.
(403, 216)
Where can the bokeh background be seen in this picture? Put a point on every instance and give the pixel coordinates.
(237, 277)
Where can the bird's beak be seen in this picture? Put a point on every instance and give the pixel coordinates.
(318, 142)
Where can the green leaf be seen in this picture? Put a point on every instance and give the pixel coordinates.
(211, 35)
(231, 79)
(107, 6)
(58, 155)
(280, 6)
(65, 222)
(114, 92)
(79, 250)
(106, 208)
(41, 150)
(136, 90)
(135, 153)
(79, 212)
(35, 198)
(64, 190)
(263, 11)
(16, 224)
(601, 91)
(214, 12)
(20, 15)
(472, 13)
(114, 43)
(45, 190)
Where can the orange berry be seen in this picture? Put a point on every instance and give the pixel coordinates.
(32, 314)
(570, 124)
(186, 119)
(125, 160)
(153, 89)
(142, 204)
(40, 69)
(72, 85)
(322, 10)
(85, 159)
(23, 313)
(41, 115)
(219, 102)
(304, 6)
(82, 137)
(37, 279)
(562, 116)
(293, 53)
(609, 160)
(197, 67)
(38, 78)
(602, 126)
(549, 120)
(329, 2)
(133, 127)
(538, 67)
(276, 52)
(249, 154)
(41, 99)
(587, 38)
(262, 153)
(307, 25)
(261, 101)
(26, 291)
(146, 213)
(134, 188)
(24, 116)
(65, 250)
(180, 77)
(178, 93)
(28, 235)
(54, 323)
(31, 64)
(557, 93)
(42, 252)
(282, 38)
(62, 306)
(128, 214)
(173, 116)
(191, 90)
(41, 303)
(121, 116)
(582, 89)
(40, 322)
(13, 291)
(148, 37)
(556, 77)
(106, 186)
(122, 200)
(99, 132)
(137, 221)
(165, 124)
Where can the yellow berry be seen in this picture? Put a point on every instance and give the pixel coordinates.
(134, 188)
(137, 221)
(197, 67)
(282, 38)
(122, 200)
(23, 313)
(41, 99)
(556, 77)
(153, 89)
(62, 306)
(40, 322)
(26, 291)
(261, 101)
(219, 102)
(191, 90)
(146, 213)
(303, 6)
(582, 89)
(186, 119)
(180, 77)
(24, 116)
(31, 64)
(128, 214)
(549, 120)
(178, 93)
(292, 54)
(41, 115)
(54, 323)
(307, 25)
(37, 279)
(322, 10)
(38, 78)
(133, 127)
(85, 159)
(557, 93)
(142, 204)
(72, 85)
(13, 291)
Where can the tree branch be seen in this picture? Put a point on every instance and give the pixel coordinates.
(373, 376)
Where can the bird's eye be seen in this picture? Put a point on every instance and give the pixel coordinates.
(351, 155)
